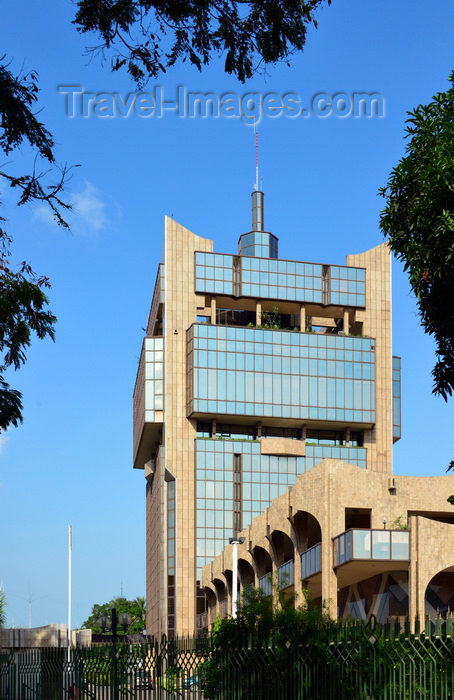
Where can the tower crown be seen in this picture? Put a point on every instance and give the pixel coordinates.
(257, 242)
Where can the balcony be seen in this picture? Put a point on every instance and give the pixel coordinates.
(360, 554)
(148, 400)
(311, 562)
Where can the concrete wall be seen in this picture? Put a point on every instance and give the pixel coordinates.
(23, 638)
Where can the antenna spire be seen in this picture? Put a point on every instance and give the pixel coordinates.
(257, 242)
(256, 133)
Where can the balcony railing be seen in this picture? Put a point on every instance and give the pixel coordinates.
(384, 545)
(224, 607)
(265, 584)
(311, 561)
(285, 578)
(285, 575)
(202, 620)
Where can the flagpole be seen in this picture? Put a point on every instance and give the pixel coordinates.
(70, 546)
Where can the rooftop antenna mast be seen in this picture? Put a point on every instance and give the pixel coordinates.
(256, 134)
(257, 195)
(258, 242)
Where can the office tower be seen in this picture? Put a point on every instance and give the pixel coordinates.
(253, 370)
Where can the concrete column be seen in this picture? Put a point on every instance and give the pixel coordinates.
(329, 581)
(234, 545)
(415, 606)
(258, 313)
(213, 310)
(347, 437)
(329, 576)
(297, 583)
(346, 322)
(302, 318)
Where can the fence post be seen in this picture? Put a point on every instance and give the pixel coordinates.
(417, 625)
(449, 623)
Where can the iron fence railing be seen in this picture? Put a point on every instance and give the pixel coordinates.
(351, 661)
(157, 671)
(354, 661)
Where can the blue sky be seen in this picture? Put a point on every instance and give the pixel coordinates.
(70, 461)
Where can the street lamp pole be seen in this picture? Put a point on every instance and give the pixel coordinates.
(235, 541)
(125, 620)
(114, 653)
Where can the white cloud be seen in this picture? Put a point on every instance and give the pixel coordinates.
(88, 208)
(3, 441)
(44, 214)
(88, 214)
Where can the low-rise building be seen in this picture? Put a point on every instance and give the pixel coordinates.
(358, 540)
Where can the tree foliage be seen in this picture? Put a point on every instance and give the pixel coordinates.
(450, 499)
(418, 220)
(311, 656)
(20, 126)
(263, 623)
(136, 608)
(147, 36)
(2, 608)
(23, 303)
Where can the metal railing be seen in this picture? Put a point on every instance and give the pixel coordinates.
(351, 662)
(224, 607)
(311, 561)
(385, 545)
(202, 620)
(330, 662)
(265, 584)
(285, 575)
(155, 671)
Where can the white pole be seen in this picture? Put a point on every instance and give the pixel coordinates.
(235, 578)
(256, 133)
(70, 547)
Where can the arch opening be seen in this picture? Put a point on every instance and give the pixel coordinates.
(307, 529)
(283, 547)
(439, 595)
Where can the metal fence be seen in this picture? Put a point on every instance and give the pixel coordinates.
(157, 671)
(351, 662)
